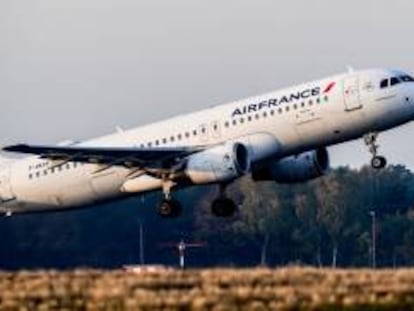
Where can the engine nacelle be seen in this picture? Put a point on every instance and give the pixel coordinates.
(219, 164)
(293, 169)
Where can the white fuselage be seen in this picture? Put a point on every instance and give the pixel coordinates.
(272, 126)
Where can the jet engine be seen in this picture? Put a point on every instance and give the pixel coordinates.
(218, 164)
(293, 169)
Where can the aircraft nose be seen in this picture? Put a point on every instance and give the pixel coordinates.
(409, 100)
(409, 94)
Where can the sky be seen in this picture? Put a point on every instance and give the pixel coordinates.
(76, 69)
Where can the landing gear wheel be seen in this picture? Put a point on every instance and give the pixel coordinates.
(169, 208)
(223, 207)
(378, 162)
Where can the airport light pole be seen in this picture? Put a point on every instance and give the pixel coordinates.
(141, 244)
(181, 247)
(373, 239)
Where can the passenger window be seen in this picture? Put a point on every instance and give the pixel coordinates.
(384, 83)
(394, 81)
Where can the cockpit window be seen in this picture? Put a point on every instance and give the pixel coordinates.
(394, 81)
(384, 83)
(407, 79)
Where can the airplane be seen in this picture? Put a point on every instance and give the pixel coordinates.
(280, 136)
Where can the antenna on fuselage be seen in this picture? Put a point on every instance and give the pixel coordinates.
(350, 69)
(119, 129)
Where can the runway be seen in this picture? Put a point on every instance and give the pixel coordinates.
(216, 289)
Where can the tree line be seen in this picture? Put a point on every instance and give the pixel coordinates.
(324, 222)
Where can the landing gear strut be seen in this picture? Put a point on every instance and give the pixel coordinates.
(223, 206)
(377, 162)
(169, 208)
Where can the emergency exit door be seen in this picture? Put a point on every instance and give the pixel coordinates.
(5, 187)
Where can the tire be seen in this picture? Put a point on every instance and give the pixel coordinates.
(378, 162)
(169, 209)
(223, 207)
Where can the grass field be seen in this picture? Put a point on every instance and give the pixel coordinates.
(216, 289)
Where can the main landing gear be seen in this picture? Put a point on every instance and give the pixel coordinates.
(223, 206)
(170, 208)
(377, 162)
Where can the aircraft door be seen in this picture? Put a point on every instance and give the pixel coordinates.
(351, 93)
(6, 193)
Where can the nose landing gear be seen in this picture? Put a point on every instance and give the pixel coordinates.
(377, 162)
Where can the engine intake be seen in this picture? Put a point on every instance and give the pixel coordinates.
(294, 169)
(219, 164)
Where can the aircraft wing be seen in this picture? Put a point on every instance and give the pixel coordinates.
(126, 156)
